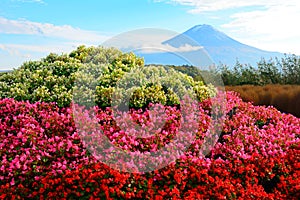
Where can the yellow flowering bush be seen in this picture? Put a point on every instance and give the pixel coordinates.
(98, 75)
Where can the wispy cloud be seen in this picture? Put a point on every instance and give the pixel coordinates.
(29, 1)
(14, 55)
(23, 26)
(161, 48)
(15, 49)
(199, 6)
(50, 37)
(149, 40)
(271, 25)
(273, 28)
(280, 20)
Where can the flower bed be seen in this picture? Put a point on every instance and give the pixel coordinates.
(257, 156)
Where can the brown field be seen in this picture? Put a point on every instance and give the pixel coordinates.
(286, 98)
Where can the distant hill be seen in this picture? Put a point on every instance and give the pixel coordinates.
(4, 70)
(218, 46)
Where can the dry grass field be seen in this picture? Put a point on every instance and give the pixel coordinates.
(285, 98)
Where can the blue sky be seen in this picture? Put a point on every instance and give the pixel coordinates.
(30, 29)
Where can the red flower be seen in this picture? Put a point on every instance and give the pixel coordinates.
(42, 190)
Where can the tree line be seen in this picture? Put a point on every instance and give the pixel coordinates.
(285, 71)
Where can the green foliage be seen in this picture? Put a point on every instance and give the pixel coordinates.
(40, 81)
(156, 84)
(273, 71)
(269, 72)
(290, 69)
(52, 79)
(91, 75)
(190, 71)
(95, 55)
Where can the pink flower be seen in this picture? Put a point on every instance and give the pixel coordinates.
(18, 165)
(12, 182)
(47, 125)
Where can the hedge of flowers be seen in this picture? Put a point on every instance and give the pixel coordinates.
(257, 156)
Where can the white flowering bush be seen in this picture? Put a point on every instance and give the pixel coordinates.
(46, 80)
(152, 84)
(96, 75)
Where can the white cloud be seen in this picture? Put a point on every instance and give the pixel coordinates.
(19, 53)
(15, 49)
(11, 51)
(216, 5)
(14, 55)
(22, 26)
(271, 25)
(49, 38)
(272, 29)
(140, 37)
(160, 48)
(148, 40)
(280, 20)
(29, 1)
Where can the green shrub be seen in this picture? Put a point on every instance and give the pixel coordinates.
(41, 81)
(274, 71)
(93, 75)
(155, 84)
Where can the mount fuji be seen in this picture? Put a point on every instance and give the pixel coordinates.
(216, 48)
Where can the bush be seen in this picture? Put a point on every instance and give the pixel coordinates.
(43, 156)
(274, 71)
(155, 84)
(52, 78)
(41, 81)
(90, 75)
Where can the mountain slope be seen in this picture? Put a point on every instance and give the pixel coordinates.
(222, 48)
(216, 45)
